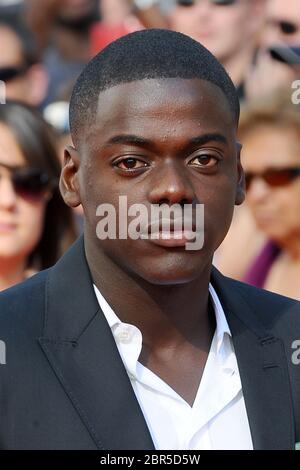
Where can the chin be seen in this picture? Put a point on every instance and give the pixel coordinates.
(170, 274)
(165, 279)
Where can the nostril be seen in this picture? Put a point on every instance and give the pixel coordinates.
(182, 202)
(163, 201)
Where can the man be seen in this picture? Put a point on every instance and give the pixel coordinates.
(135, 342)
(282, 31)
(282, 22)
(62, 31)
(228, 28)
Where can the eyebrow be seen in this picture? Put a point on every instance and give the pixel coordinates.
(205, 138)
(131, 139)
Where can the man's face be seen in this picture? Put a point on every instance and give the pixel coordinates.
(73, 10)
(184, 151)
(223, 29)
(282, 23)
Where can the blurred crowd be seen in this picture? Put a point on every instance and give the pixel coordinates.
(44, 45)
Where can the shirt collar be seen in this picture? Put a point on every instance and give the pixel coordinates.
(111, 318)
(222, 327)
(129, 338)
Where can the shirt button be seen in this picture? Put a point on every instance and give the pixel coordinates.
(123, 336)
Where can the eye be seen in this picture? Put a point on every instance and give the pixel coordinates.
(130, 163)
(204, 161)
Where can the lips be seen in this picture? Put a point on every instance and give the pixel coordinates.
(172, 239)
(7, 226)
(169, 233)
(168, 226)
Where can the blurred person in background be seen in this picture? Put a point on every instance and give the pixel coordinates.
(120, 17)
(228, 28)
(241, 245)
(271, 161)
(35, 225)
(270, 134)
(282, 22)
(117, 19)
(62, 31)
(57, 114)
(20, 66)
(276, 65)
(10, 8)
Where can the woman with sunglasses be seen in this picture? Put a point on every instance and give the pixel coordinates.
(270, 134)
(35, 224)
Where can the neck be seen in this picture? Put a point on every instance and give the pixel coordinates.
(180, 313)
(292, 247)
(11, 272)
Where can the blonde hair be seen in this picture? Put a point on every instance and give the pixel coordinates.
(275, 109)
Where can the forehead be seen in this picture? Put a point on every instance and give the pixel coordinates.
(277, 9)
(270, 145)
(162, 107)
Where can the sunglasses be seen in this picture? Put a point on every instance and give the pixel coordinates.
(29, 182)
(9, 73)
(273, 177)
(188, 3)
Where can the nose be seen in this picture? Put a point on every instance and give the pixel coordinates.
(258, 190)
(171, 185)
(202, 9)
(8, 195)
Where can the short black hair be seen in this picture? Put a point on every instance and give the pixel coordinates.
(150, 53)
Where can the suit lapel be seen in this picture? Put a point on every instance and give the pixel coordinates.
(82, 352)
(263, 369)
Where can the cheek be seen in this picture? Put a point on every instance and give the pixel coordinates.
(289, 203)
(287, 197)
(230, 26)
(15, 89)
(95, 190)
(93, 197)
(218, 211)
(31, 222)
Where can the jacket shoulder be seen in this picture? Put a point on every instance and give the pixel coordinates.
(258, 293)
(273, 309)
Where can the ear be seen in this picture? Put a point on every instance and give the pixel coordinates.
(240, 188)
(68, 183)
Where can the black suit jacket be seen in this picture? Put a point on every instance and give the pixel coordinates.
(64, 385)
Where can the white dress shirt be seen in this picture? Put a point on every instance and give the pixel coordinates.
(217, 419)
